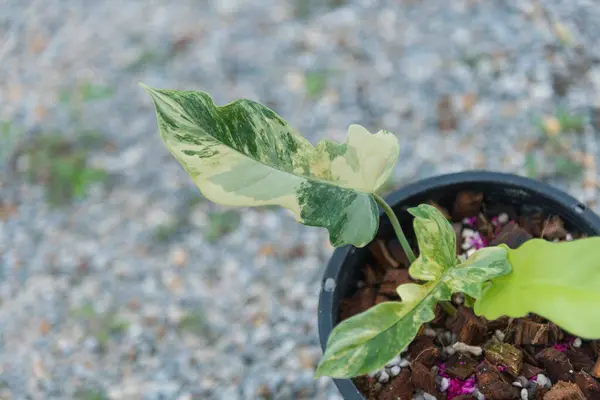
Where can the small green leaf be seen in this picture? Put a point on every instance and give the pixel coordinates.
(243, 154)
(367, 341)
(437, 243)
(558, 281)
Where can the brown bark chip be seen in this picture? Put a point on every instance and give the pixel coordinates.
(507, 355)
(596, 369)
(467, 326)
(423, 378)
(580, 360)
(511, 235)
(529, 371)
(423, 350)
(382, 255)
(554, 228)
(564, 391)
(362, 300)
(467, 204)
(461, 366)
(440, 208)
(372, 276)
(395, 249)
(492, 385)
(392, 279)
(557, 364)
(529, 332)
(588, 385)
(400, 387)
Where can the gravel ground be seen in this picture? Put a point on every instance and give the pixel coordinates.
(141, 289)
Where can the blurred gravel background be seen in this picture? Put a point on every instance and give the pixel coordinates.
(119, 281)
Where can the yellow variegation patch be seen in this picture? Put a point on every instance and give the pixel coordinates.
(367, 341)
(243, 154)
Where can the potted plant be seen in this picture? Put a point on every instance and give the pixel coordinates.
(492, 291)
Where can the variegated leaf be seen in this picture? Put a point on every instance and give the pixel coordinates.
(558, 281)
(483, 265)
(367, 341)
(243, 154)
(437, 243)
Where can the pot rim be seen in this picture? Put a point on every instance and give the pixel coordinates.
(325, 316)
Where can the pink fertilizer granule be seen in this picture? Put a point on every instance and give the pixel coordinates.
(456, 387)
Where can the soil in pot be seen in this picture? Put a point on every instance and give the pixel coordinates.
(465, 356)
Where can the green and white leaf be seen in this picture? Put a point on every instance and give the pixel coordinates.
(243, 154)
(558, 281)
(437, 243)
(367, 341)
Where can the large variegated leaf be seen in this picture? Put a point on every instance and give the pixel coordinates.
(558, 281)
(367, 341)
(243, 154)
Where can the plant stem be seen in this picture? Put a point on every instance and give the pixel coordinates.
(397, 228)
(448, 308)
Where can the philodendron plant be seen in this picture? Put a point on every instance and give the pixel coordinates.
(243, 154)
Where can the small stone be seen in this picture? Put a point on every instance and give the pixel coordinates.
(393, 361)
(429, 332)
(179, 257)
(500, 335)
(503, 218)
(551, 125)
(444, 384)
(449, 350)
(564, 391)
(404, 363)
(395, 370)
(532, 391)
(577, 342)
(465, 348)
(543, 381)
(383, 377)
(524, 394)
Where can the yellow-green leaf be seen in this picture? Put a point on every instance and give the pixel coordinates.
(437, 243)
(558, 281)
(243, 154)
(367, 341)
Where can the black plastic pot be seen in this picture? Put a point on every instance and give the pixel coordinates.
(345, 266)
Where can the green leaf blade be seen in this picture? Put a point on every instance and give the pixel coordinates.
(243, 154)
(558, 281)
(483, 265)
(437, 243)
(367, 341)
